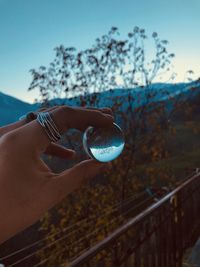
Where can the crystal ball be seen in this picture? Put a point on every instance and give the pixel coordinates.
(103, 144)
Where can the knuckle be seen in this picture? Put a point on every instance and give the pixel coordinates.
(9, 141)
(98, 113)
(66, 108)
(9, 138)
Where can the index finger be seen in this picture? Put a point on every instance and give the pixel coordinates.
(80, 118)
(32, 135)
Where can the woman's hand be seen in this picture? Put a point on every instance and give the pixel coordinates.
(28, 187)
(53, 148)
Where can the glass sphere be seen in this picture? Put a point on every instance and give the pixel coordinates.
(103, 144)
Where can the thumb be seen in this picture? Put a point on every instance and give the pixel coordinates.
(73, 178)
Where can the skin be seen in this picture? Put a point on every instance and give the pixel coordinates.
(28, 187)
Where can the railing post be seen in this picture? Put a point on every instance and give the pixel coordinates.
(179, 229)
(173, 201)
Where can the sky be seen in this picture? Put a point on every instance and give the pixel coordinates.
(31, 29)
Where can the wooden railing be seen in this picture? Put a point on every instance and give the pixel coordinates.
(157, 237)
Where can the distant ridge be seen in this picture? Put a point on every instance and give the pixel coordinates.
(11, 108)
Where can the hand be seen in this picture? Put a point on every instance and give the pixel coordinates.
(53, 149)
(28, 187)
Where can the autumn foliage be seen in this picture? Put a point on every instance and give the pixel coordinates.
(155, 132)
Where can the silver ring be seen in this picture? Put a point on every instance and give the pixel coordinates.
(46, 121)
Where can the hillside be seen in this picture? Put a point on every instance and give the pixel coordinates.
(12, 108)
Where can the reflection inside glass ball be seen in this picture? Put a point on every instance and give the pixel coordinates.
(103, 144)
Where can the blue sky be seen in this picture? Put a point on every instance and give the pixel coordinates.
(30, 29)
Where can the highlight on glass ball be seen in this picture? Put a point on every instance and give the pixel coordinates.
(103, 144)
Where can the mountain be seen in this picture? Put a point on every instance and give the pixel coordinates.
(11, 109)
(139, 96)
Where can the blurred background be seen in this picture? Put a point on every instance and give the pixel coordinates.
(140, 58)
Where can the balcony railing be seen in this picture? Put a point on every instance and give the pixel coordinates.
(157, 237)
